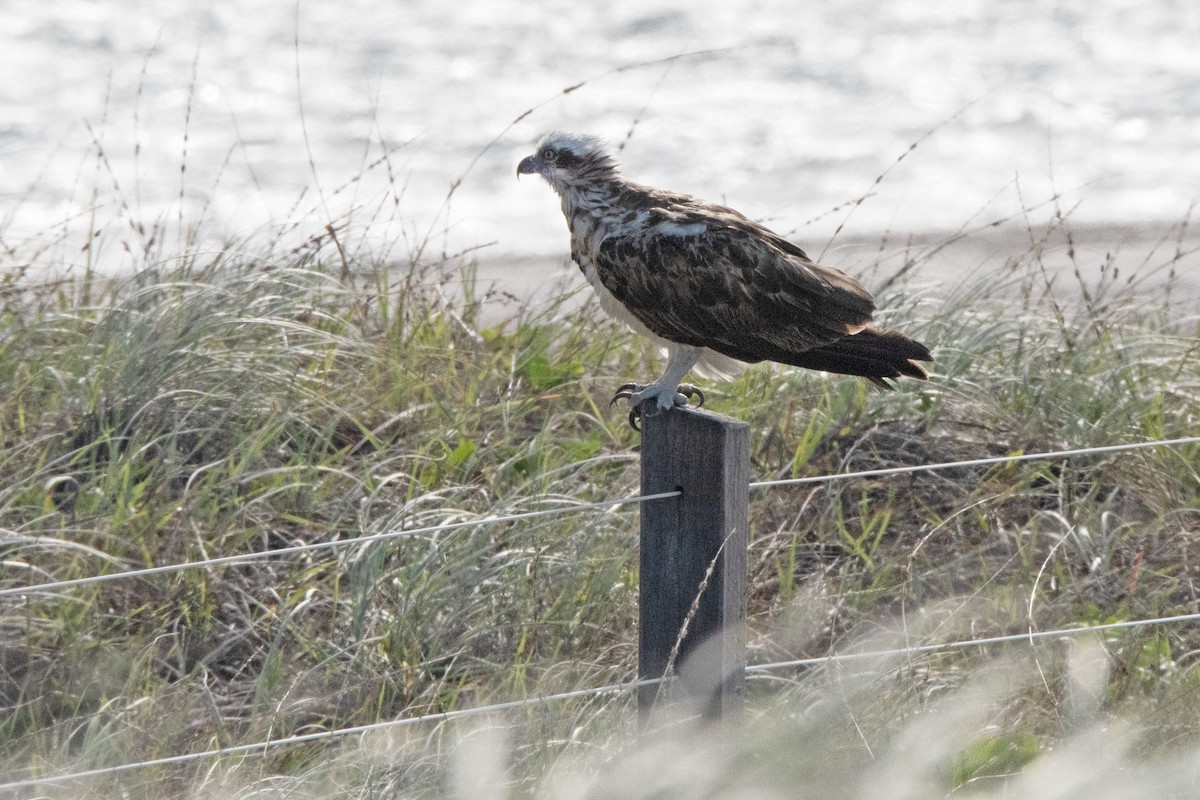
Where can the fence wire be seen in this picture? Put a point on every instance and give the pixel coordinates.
(334, 545)
(977, 462)
(1028, 636)
(263, 747)
(341, 543)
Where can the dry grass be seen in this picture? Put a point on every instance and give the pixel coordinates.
(222, 408)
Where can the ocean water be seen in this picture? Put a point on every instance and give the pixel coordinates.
(400, 123)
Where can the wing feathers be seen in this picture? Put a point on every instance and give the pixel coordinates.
(705, 275)
(719, 279)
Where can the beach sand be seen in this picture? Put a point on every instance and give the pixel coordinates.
(1147, 256)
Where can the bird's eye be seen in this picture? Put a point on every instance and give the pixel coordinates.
(548, 154)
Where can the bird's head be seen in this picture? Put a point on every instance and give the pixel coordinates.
(570, 161)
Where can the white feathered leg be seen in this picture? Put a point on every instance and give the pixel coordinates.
(680, 360)
(665, 392)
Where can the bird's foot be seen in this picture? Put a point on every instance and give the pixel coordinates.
(663, 397)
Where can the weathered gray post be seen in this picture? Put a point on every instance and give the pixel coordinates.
(698, 539)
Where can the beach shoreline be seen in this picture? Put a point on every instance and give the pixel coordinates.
(1151, 255)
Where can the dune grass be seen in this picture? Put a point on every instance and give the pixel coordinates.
(228, 405)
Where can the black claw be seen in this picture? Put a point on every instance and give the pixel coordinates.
(625, 391)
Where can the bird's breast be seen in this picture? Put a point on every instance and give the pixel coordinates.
(586, 234)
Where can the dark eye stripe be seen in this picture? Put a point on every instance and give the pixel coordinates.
(561, 158)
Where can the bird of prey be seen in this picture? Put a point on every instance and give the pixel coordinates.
(706, 283)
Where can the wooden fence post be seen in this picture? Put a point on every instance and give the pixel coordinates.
(699, 538)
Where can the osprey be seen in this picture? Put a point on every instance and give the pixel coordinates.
(706, 283)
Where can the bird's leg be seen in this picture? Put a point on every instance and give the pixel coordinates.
(666, 392)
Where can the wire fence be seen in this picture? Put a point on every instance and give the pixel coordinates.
(337, 544)
(333, 546)
(263, 747)
(979, 462)
(266, 746)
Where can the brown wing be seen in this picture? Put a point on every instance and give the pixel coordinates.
(707, 276)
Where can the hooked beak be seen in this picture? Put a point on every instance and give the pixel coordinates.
(530, 165)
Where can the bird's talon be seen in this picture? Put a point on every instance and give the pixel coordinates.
(626, 391)
(646, 401)
(620, 396)
(689, 391)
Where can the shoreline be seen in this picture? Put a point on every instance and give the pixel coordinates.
(1151, 254)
